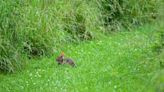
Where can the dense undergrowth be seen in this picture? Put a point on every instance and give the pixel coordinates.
(34, 28)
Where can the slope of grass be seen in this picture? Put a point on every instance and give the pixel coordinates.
(122, 62)
(32, 28)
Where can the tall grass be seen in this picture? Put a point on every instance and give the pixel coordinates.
(128, 13)
(9, 37)
(34, 28)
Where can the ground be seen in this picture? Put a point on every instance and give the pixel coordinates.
(120, 62)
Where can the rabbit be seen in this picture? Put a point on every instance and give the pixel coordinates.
(69, 61)
(62, 60)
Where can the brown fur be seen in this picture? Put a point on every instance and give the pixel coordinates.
(70, 62)
(60, 59)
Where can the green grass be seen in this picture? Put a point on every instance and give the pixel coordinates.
(122, 62)
(35, 28)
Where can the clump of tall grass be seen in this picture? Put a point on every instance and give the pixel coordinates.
(127, 13)
(158, 47)
(11, 58)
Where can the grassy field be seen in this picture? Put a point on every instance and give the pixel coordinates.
(120, 62)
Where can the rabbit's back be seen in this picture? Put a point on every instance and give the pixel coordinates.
(70, 61)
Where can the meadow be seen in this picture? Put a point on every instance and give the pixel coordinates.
(123, 62)
(117, 45)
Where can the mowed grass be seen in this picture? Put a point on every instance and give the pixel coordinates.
(121, 62)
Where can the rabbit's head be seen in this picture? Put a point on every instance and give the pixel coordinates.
(62, 53)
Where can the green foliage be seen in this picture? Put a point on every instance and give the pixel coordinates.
(75, 26)
(123, 62)
(36, 28)
(128, 13)
(158, 47)
(9, 37)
